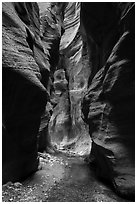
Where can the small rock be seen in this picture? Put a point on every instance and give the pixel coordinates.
(17, 184)
(7, 184)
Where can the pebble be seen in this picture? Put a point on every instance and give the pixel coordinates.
(17, 184)
(7, 184)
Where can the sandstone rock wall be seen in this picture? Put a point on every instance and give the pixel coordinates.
(51, 30)
(65, 62)
(108, 105)
(27, 63)
(66, 127)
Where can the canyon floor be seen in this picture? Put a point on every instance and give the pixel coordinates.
(60, 178)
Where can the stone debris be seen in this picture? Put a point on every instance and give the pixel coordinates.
(59, 185)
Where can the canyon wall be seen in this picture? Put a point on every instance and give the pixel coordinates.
(27, 64)
(109, 104)
(67, 130)
(68, 84)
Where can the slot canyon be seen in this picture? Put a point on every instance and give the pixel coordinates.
(68, 101)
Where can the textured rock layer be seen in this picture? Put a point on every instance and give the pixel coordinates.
(26, 68)
(108, 105)
(68, 69)
(66, 127)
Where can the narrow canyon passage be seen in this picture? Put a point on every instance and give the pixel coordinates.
(68, 101)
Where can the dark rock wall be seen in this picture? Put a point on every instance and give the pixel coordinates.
(100, 30)
(22, 90)
(108, 105)
(26, 69)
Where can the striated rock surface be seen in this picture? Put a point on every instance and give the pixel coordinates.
(24, 96)
(68, 83)
(26, 67)
(51, 31)
(108, 105)
(67, 129)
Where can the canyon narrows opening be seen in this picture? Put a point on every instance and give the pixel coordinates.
(68, 101)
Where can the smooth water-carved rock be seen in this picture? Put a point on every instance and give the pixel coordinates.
(26, 67)
(60, 119)
(109, 108)
(49, 61)
(24, 96)
(66, 124)
(101, 31)
(51, 31)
